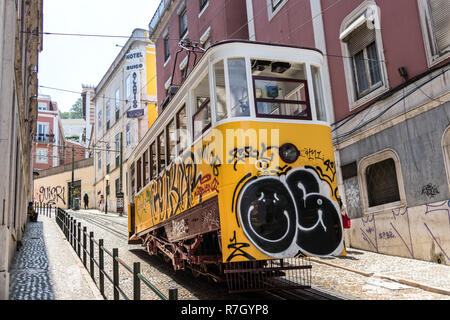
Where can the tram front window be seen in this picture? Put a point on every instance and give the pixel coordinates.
(278, 97)
(238, 87)
(202, 107)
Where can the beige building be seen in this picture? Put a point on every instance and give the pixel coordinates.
(125, 107)
(20, 43)
(52, 186)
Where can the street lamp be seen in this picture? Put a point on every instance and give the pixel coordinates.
(106, 198)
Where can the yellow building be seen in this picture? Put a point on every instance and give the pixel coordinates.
(52, 186)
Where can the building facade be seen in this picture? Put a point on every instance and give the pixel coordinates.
(49, 139)
(386, 96)
(20, 43)
(388, 92)
(52, 186)
(125, 107)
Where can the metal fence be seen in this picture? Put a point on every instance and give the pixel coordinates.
(78, 239)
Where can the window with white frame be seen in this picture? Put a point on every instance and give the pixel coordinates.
(42, 106)
(99, 160)
(42, 132)
(363, 54)
(107, 114)
(381, 181)
(273, 6)
(182, 18)
(128, 86)
(99, 120)
(128, 134)
(117, 103)
(434, 15)
(41, 155)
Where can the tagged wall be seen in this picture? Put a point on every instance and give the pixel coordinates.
(420, 232)
(52, 186)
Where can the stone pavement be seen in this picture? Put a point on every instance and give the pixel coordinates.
(47, 268)
(372, 276)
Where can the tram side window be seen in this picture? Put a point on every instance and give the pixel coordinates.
(153, 160)
(318, 94)
(138, 175)
(132, 168)
(281, 98)
(238, 87)
(221, 94)
(182, 137)
(146, 168)
(202, 108)
(170, 138)
(161, 152)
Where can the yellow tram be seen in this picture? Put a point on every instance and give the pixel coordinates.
(239, 165)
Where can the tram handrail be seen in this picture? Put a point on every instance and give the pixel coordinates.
(78, 240)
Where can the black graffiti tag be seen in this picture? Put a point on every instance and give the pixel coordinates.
(51, 195)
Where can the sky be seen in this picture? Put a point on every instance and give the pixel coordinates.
(67, 62)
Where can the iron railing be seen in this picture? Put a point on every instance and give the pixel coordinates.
(78, 239)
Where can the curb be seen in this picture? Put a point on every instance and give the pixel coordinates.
(399, 280)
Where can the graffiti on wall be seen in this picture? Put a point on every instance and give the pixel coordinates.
(399, 228)
(51, 195)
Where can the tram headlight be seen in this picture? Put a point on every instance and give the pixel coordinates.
(289, 153)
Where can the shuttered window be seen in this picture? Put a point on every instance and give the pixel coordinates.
(382, 184)
(440, 26)
(362, 48)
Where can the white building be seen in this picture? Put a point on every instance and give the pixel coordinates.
(125, 107)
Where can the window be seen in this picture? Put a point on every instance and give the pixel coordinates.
(274, 6)
(42, 106)
(382, 186)
(363, 55)
(108, 116)
(237, 75)
(435, 26)
(128, 134)
(182, 133)
(99, 120)
(99, 160)
(381, 180)
(146, 167)
(166, 48)
(108, 157)
(182, 18)
(318, 94)
(117, 103)
(117, 147)
(153, 161)
(221, 95)
(128, 86)
(281, 98)
(171, 141)
(202, 109)
(161, 152)
(117, 183)
(42, 132)
(41, 155)
(202, 4)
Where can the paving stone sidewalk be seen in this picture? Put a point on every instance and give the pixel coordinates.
(369, 275)
(47, 268)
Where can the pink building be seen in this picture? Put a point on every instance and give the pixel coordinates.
(49, 138)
